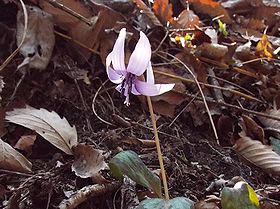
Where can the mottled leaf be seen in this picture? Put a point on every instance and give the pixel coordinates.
(128, 163)
(175, 203)
(242, 196)
(275, 145)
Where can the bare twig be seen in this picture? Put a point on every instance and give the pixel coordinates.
(165, 36)
(84, 104)
(76, 42)
(183, 110)
(93, 105)
(69, 11)
(241, 109)
(208, 85)
(87, 192)
(7, 61)
(217, 92)
(200, 90)
(23, 71)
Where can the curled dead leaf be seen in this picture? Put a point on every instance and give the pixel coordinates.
(163, 10)
(211, 8)
(212, 51)
(148, 12)
(271, 124)
(49, 125)
(12, 160)
(39, 42)
(258, 154)
(252, 129)
(88, 161)
(187, 19)
(25, 143)
(264, 48)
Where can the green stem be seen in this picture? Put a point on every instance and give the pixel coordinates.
(160, 159)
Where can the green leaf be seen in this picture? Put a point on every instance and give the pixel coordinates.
(128, 163)
(242, 196)
(176, 203)
(223, 28)
(275, 144)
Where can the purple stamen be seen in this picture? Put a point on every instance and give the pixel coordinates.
(126, 86)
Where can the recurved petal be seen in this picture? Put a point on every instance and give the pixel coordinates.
(149, 89)
(115, 76)
(140, 57)
(150, 74)
(117, 55)
(134, 90)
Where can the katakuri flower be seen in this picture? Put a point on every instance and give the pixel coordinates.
(139, 62)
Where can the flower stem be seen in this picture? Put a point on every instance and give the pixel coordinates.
(160, 159)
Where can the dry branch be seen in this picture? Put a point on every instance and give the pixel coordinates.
(87, 192)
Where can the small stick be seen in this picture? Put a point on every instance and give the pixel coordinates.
(66, 9)
(84, 104)
(236, 107)
(159, 153)
(87, 192)
(187, 80)
(183, 110)
(23, 71)
(93, 105)
(7, 61)
(201, 93)
(76, 42)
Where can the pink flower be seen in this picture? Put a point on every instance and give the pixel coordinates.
(139, 62)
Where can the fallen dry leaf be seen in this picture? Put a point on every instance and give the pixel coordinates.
(163, 10)
(88, 161)
(12, 160)
(251, 129)
(148, 12)
(166, 103)
(258, 154)
(211, 8)
(264, 48)
(25, 143)
(62, 18)
(270, 124)
(187, 19)
(212, 51)
(89, 35)
(39, 41)
(49, 125)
